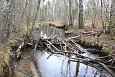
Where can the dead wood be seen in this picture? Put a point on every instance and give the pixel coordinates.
(18, 51)
(107, 69)
(69, 48)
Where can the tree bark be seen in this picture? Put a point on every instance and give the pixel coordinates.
(70, 14)
(113, 13)
(34, 20)
(81, 24)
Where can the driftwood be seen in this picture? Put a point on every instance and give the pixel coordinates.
(20, 47)
(35, 47)
(78, 46)
(107, 69)
(33, 63)
(18, 51)
(69, 48)
(69, 43)
(87, 61)
(90, 33)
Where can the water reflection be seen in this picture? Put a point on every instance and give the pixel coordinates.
(77, 69)
(46, 31)
(59, 65)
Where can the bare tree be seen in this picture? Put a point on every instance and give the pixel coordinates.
(113, 13)
(7, 19)
(34, 20)
(70, 14)
(81, 24)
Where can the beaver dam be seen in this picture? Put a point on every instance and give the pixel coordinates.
(53, 55)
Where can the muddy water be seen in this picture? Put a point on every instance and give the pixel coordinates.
(59, 66)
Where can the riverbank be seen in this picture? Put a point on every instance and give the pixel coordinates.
(24, 66)
(96, 37)
(7, 59)
(4, 59)
(92, 36)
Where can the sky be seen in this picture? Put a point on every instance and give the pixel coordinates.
(85, 1)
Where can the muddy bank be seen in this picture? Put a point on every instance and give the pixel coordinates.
(8, 62)
(5, 60)
(26, 66)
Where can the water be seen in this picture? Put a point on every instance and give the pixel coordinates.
(46, 31)
(58, 65)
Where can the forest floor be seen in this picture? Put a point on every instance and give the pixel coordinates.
(6, 52)
(90, 36)
(94, 36)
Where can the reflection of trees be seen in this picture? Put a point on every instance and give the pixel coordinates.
(86, 67)
(62, 68)
(67, 73)
(68, 69)
(95, 73)
(77, 69)
(86, 71)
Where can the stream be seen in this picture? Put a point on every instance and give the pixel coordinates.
(58, 65)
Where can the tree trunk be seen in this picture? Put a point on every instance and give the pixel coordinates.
(7, 20)
(34, 20)
(113, 13)
(81, 24)
(70, 14)
(102, 14)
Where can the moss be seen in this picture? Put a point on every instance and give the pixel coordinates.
(107, 48)
(89, 39)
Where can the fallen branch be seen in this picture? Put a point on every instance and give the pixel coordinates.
(107, 69)
(69, 48)
(18, 51)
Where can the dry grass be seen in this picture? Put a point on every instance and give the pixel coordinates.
(4, 55)
(5, 49)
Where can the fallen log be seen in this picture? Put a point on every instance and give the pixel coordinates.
(18, 51)
(107, 69)
(86, 60)
(73, 46)
(20, 47)
(52, 45)
(35, 69)
(78, 46)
